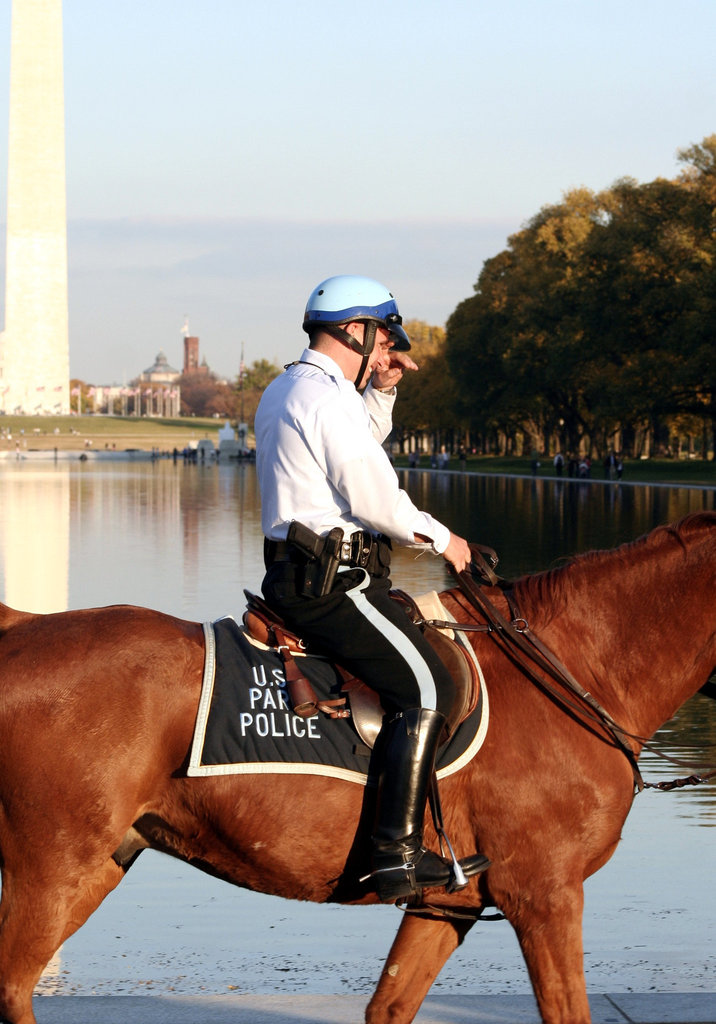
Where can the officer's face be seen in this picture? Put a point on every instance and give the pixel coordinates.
(379, 359)
(380, 356)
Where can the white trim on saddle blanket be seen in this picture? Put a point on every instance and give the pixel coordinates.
(245, 726)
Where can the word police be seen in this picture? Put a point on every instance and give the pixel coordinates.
(270, 713)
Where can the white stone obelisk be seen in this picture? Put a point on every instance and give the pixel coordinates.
(34, 348)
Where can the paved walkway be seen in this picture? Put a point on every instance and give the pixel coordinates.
(622, 1008)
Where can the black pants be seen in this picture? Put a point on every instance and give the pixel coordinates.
(360, 625)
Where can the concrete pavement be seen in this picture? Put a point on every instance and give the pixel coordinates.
(620, 1008)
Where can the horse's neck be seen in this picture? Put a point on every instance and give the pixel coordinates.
(636, 632)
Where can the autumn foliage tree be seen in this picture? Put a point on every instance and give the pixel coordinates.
(596, 324)
(203, 394)
(429, 406)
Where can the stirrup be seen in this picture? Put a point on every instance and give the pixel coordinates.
(461, 869)
(464, 869)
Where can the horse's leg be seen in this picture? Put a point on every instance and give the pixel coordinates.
(418, 954)
(42, 905)
(549, 931)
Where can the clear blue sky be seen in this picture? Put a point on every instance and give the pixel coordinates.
(223, 157)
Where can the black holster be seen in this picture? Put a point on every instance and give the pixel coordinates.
(323, 556)
(319, 557)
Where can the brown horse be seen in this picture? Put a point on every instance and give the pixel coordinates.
(97, 710)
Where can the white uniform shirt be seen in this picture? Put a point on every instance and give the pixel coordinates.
(320, 459)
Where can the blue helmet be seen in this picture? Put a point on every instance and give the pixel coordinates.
(348, 298)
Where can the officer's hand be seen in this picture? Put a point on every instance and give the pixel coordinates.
(457, 553)
(386, 377)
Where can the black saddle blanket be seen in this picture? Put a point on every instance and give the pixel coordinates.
(244, 723)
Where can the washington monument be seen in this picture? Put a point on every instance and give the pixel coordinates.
(34, 347)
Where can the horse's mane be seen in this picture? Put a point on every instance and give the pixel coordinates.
(552, 589)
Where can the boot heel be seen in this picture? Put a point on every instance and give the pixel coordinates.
(391, 884)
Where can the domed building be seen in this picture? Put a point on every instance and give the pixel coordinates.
(160, 373)
(157, 388)
(154, 392)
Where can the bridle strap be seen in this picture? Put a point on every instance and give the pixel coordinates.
(528, 651)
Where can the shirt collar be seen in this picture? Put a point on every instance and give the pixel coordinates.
(312, 355)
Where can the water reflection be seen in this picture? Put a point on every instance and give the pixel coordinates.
(187, 538)
(34, 541)
(183, 539)
(532, 523)
(690, 738)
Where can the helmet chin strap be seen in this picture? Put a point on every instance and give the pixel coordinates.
(364, 349)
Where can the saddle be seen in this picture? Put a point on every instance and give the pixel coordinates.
(358, 701)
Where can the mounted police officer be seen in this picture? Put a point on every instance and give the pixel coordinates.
(331, 508)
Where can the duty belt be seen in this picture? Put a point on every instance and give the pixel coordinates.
(360, 550)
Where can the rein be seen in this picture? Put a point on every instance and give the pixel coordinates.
(529, 653)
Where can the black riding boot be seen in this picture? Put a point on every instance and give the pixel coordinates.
(401, 866)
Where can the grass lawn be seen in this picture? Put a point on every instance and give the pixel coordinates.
(72, 433)
(75, 433)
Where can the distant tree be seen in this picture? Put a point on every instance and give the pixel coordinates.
(516, 348)
(699, 178)
(599, 316)
(203, 394)
(428, 397)
(648, 302)
(249, 388)
(260, 374)
(79, 401)
(200, 394)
